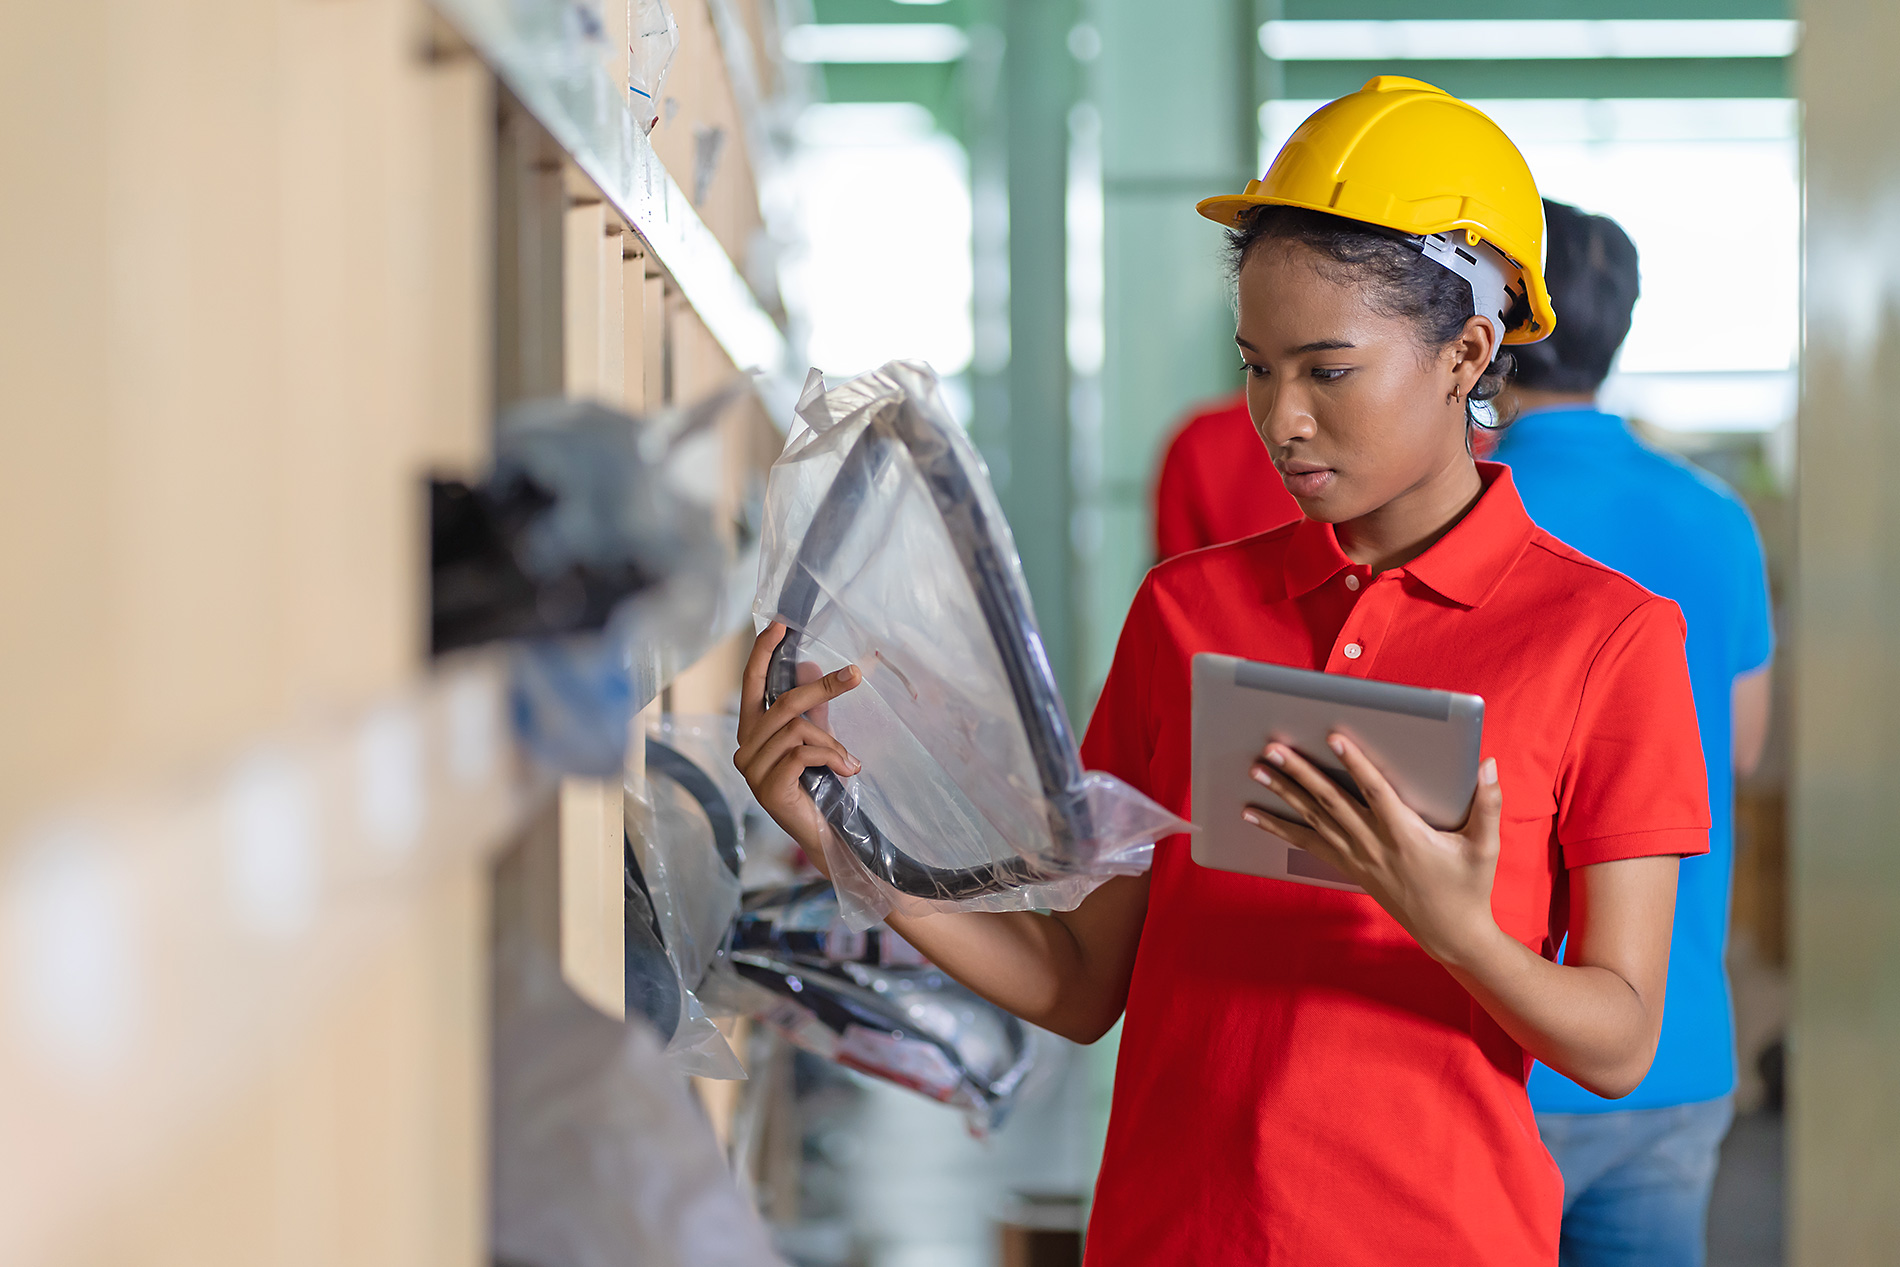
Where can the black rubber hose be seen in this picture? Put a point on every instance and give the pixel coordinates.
(900, 426)
(666, 760)
(839, 1003)
(652, 985)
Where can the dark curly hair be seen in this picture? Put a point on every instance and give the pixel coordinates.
(1593, 277)
(1398, 280)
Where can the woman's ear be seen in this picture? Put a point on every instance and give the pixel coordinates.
(1472, 353)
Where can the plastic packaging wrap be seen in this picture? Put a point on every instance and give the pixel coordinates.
(884, 546)
(582, 546)
(683, 859)
(656, 38)
(869, 1001)
(600, 1155)
(577, 515)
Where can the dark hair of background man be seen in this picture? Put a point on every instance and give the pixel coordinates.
(1590, 267)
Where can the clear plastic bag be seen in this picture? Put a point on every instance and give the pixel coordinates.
(600, 1155)
(655, 39)
(870, 1002)
(683, 859)
(885, 547)
(584, 547)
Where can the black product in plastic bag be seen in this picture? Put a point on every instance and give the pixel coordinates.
(582, 547)
(885, 547)
(683, 855)
(869, 1001)
(574, 519)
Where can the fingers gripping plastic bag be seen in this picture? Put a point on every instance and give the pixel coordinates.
(885, 547)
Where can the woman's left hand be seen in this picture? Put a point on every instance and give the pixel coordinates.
(1437, 884)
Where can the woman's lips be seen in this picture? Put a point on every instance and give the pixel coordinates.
(1304, 480)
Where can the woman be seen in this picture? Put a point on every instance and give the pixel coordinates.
(1311, 1075)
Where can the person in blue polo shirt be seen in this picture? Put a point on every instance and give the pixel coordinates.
(1638, 1171)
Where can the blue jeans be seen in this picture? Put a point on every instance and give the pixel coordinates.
(1636, 1182)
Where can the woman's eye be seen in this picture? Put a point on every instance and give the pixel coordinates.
(1253, 371)
(1326, 375)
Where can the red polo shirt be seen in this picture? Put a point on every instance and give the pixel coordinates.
(1299, 1084)
(1217, 483)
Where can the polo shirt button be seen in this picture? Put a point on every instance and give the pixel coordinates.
(1352, 582)
(1353, 650)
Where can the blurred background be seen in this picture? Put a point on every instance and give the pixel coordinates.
(282, 904)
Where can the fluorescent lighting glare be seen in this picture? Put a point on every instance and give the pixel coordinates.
(875, 42)
(1691, 402)
(1527, 39)
(861, 124)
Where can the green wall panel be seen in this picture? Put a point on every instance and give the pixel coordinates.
(1609, 77)
(1413, 9)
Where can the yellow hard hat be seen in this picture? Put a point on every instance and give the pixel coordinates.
(1406, 156)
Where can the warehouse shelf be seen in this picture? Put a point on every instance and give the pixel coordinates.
(254, 843)
(556, 68)
(160, 941)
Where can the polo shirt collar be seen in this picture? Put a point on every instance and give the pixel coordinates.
(1465, 565)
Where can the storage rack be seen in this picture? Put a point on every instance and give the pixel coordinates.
(268, 266)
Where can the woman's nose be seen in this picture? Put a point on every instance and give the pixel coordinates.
(1280, 416)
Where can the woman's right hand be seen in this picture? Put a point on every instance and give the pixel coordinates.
(778, 744)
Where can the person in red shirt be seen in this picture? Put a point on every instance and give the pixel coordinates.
(1217, 482)
(1314, 1076)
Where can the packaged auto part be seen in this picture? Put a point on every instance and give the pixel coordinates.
(683, 855)
(885, 547)
(576, 516)
(585, 549)
(869, 1001)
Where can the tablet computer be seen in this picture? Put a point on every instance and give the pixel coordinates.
(1426, 742)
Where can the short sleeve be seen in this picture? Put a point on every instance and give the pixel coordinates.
(1176, 500)
(1753, 632)
(1633, 783)
(1119, 740)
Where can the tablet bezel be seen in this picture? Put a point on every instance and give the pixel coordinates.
(1427, 742)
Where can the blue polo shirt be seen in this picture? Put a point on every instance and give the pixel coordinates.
(1681, 533)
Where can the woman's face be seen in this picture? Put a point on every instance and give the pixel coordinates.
(1354, 412)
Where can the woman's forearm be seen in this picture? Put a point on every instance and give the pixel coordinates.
(1596, 1017)
(1067, 972)
(1586, 1022)
(1026, 963)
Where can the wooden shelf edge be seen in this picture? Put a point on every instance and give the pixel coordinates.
(561, 78)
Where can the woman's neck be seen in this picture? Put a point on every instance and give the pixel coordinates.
(1411, 523)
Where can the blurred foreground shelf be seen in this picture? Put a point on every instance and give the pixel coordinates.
(270, 265)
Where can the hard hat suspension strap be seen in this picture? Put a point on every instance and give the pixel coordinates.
(1497, 285)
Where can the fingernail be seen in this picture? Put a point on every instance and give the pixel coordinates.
(1276, 756)
(1337, 744)
(848, 674)
(1262, 777)
(1250, 816)
(1488, 772)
